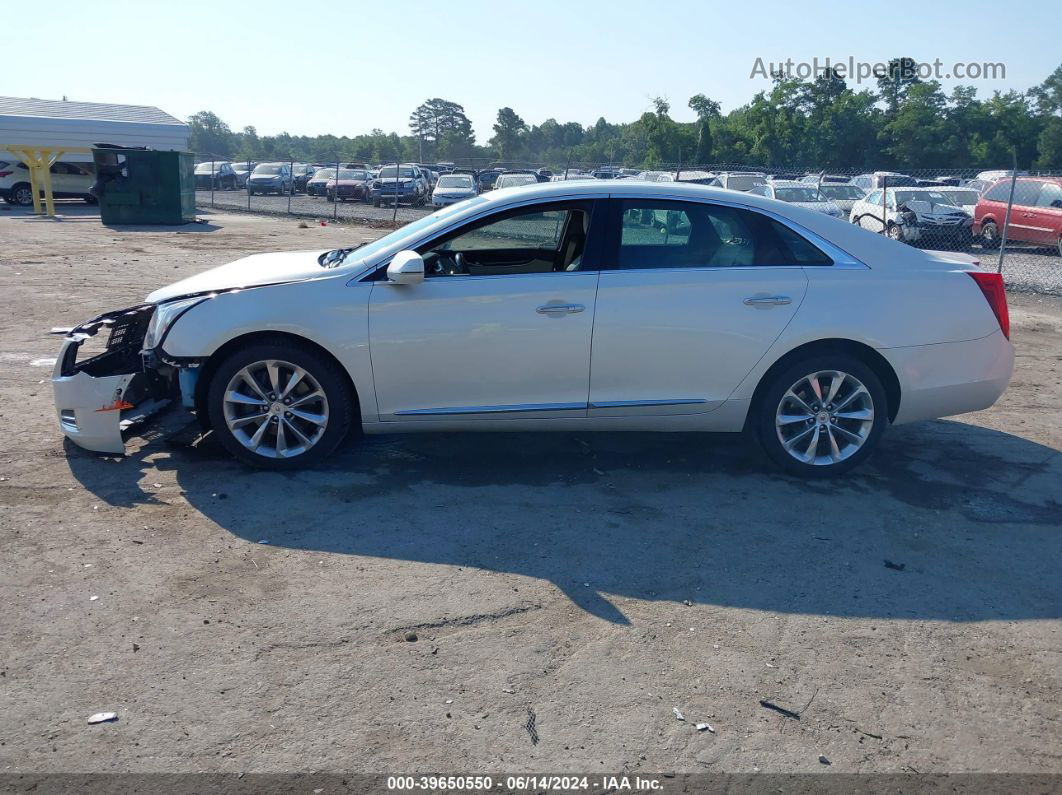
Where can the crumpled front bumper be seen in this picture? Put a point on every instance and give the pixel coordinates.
(97, 399)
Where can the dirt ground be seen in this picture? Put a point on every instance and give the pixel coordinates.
(909, 613)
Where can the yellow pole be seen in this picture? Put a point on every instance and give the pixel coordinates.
(40, 162)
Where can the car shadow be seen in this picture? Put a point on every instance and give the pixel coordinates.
(949, 521)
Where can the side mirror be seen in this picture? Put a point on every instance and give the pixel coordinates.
(407, 267)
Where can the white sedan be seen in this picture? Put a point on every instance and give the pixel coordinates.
(619, 305)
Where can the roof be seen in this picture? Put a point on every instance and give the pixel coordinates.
(97, 111)
(50, 124)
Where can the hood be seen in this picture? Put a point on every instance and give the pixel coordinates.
(454, 191)
(253, 271)
(265, 177)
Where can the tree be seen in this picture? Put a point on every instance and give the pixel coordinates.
(507, 131)
(900, 75)
(442, 125)
(209, 135)
(704, 108)
(1048, 95)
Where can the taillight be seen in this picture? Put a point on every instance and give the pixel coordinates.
(991, 285)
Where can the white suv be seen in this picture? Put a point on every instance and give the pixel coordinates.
(70, 180)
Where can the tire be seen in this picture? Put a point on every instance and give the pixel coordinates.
(375, 202)
(895, 232)
(20, 195)
(1058, 246)
(321, 375)
(90, 200)
(783, 442)
(989, 235)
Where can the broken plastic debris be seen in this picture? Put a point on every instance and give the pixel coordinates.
(678, 714)
(93, 598)
(824, 759)
(103, 717)
(508, 690)
(701, 727)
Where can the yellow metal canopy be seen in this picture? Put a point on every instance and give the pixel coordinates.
(39, 161)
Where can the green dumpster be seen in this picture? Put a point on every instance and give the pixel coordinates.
(142, 186)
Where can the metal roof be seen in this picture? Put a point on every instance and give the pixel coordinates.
(96, 111)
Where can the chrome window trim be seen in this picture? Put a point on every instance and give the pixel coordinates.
(841, 258)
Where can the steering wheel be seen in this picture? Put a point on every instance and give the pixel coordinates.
(449, 263)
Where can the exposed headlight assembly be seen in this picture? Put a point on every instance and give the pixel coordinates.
(165, 315)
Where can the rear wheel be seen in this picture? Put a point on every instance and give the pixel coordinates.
(21, 195)
(821, 415)
(279, 405)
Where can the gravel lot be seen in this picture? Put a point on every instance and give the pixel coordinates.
(909, 613)
(1027, 268)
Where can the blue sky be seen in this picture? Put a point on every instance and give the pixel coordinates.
(314, 67)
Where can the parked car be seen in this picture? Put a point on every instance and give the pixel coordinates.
(282, 355)
(793, 192)
(979, 185)
(657, 176)
(1035, 217)
(215, 175)
(485, 180)
(964, 198)
(915, 215)
(350, 185)
(243, 171)
(998, 174)
(301, 174)
(843, 195)
(824, 178)
(741, 180)
(405, 184)
(515, 180)
(270, 178)
(317, 184)
(880, 179)
(453, 188)
(70, 180)
(696, 177)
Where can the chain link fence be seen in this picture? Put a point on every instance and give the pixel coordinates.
(1007, 221)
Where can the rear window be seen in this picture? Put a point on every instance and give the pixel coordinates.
(797, 194)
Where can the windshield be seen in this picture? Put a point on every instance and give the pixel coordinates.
(797, 194)
(347, 173)
(455, 182)
(742, 182)
(324, 173)
(206, 168)
(931, 197)
(512, 180)
(389, 172)
(962, 197)
(842, 192)
(268, 168)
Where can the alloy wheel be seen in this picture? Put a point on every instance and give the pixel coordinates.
(275, 409)
(824, 418)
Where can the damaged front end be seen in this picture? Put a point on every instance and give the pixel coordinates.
(101, 396)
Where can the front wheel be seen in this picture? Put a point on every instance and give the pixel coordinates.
(821, 416)
(895, 232)
(20, 195)
(279, 405)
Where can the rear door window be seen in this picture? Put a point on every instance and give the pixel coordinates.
(669, 234)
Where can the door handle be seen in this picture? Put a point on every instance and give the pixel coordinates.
(560, 309)
(768, 300)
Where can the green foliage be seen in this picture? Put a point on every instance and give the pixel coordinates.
(820, 124)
